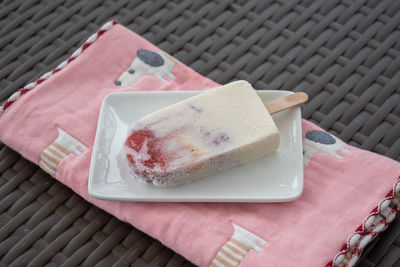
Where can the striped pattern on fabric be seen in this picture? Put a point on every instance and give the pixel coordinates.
(58, 150)
(237, 247)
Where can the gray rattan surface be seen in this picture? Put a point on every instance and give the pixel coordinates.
(344, 54)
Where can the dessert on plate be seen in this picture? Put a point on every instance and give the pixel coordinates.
(215, 131)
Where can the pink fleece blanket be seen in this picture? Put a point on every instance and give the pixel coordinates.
(349, 197)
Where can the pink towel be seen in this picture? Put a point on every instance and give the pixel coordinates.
(349, 197)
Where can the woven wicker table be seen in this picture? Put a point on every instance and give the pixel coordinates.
(344, 54)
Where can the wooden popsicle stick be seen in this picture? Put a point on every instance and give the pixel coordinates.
(286, 102)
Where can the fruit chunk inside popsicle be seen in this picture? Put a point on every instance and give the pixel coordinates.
(203, 135)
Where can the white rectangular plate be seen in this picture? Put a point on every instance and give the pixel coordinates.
(275, 178)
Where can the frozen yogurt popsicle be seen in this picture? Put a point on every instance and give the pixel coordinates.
(205, 134)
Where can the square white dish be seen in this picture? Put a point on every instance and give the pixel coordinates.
(275, 178)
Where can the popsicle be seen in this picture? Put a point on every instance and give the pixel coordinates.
(212, 132)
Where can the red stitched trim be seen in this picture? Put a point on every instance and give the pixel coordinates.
(357, 251)
(363, 230)
(85, 45)
(106, 27)
(384, 222)
(374, 211)
(360, 229)
(23, 91)
(7, 104)
(39, 81)
(100, 32)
